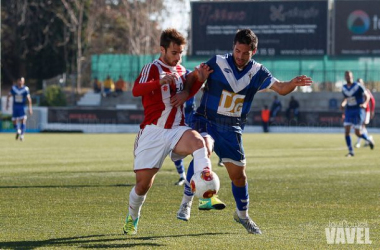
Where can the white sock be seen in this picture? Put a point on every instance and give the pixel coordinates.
(135, 203)
(182, 176)
(201, 160)
(187, 199)
(364, 130)
(242, 214)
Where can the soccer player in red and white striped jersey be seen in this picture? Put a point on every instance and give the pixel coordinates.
(163, 131)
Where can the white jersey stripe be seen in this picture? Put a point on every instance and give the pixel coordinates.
(165, 98)
(20, 91)
(145, 73)
(236, 85)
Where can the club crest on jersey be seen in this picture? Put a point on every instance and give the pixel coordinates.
(230, 104)
(227, 70)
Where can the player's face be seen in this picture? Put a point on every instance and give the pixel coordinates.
(349, 77)
(242, 53)
(21, 82)
(172, 56)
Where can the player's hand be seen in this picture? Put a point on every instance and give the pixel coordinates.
(179, 98)
(363, 106)
(302, 81)
(169, 79)
(202, 72)
(30, 111)
(372, 114)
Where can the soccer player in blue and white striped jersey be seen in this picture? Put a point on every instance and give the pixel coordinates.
(21, 96)
(355, 101)
(222, 115)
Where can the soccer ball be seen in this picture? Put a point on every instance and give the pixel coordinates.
(204, 184)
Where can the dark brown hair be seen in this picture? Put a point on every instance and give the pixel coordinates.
(246, 36)
(171, 35)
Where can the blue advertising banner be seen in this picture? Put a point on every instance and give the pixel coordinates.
(284, 28)
(357, 28)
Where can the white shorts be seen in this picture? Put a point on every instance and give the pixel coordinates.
(19, 118)
(154, 143)
(367, 117)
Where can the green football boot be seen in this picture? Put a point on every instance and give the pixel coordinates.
(211, 203)
(130, 226)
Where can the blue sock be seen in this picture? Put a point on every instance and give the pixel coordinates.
(241, 196)
(22, 128)
(179, 166)
(15, 126)
(348, 142)
(190, 173)
(365, 136)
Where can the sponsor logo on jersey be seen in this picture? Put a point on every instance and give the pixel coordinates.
(231, 104)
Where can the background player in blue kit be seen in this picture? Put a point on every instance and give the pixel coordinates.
(21, 95)
(189, 111)
(355, 101)
(222, 114)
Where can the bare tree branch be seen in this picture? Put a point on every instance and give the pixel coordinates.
(24, 8)
(71, 12)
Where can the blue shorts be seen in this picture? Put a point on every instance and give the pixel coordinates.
(354, 117)
(18, 112)
(228, 143)
(189, 117)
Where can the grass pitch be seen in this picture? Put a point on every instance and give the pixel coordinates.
(71, 191)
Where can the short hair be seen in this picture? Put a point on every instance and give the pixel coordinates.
(246, 36)
(171, 35)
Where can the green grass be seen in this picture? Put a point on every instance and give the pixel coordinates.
(71, 191)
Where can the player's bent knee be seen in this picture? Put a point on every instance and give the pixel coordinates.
(198, 143)
(193, 140)
(142, 188)
(239, 179)
(239, 182)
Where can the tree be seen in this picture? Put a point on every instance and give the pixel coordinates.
(45, 38)
(32, 36)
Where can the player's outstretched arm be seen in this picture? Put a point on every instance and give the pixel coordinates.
(194, 81)
(343, 104)
(30, 105)
(284, 88)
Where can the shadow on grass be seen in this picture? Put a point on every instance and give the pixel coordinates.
(97, 242)
(69, 186)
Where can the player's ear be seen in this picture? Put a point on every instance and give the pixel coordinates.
(254, 52)
(162, 49)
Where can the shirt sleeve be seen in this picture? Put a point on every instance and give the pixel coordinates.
(361, 89)
(266, 79)
(372, 103)
(147, 81)
(211, 62)
(27, 91)
(197, 84)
